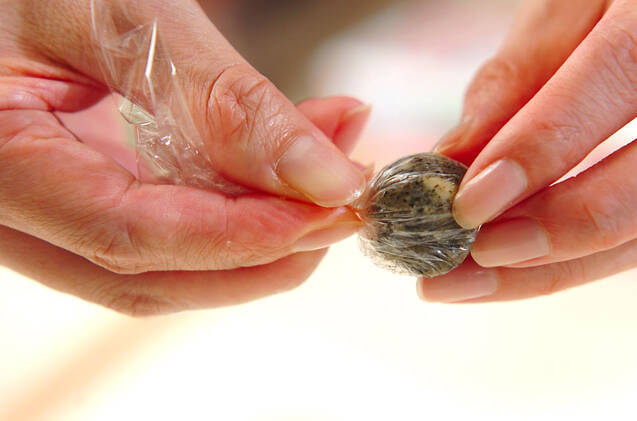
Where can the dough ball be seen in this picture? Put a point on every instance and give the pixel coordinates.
(406, 209)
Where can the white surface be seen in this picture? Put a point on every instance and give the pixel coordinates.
(352, 343)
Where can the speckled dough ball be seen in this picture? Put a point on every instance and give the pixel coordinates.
(409, 228)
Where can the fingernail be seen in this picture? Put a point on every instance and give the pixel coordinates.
(320, 172)
(351, 126)
(489, 193)
(454, 137)
(325, 237)
(461, 284)
(510, 242)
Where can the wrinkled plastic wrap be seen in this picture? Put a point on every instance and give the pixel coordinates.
(138, 67)
(409, 228)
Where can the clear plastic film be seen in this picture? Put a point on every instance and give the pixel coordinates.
(138, 67)
(409, 228)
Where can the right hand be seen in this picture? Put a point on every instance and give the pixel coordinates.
(563, 82)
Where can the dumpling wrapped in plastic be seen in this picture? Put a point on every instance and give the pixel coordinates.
(409, 228)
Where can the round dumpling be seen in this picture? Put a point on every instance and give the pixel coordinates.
(406, 210)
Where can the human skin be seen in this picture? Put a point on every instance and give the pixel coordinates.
(73, 219)
(564, 81)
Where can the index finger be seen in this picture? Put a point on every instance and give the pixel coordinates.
(592, 95)
(535, 48)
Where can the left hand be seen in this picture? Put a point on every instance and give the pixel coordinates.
(564, 81)
(75, 220)
(159, 292)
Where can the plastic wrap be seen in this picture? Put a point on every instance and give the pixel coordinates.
(409, 228)
(138, 67)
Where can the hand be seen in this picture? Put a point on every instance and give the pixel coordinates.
(73, 219)
(564, 81)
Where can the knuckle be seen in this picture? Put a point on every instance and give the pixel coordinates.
(552, 7)
(493, 74)
(247, 238)
(253, 255)
(228, 238)
(215, 250)
(561, 276)
(549, 286)
(112, 257)
(239, 252)
(138, 304)
(549, 141)
(556, 140)
(200, 240)
(497, 69)
(619, 55)
(240, 103)
(115, 243)
(604, 226)
(608, 218)
(205, 250)
(500, 86)
(115, 249)
(124, 295)
(100, 245)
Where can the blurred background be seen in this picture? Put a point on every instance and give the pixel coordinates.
(354, 342)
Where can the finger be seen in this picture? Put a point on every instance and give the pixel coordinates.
(251, 133)
(58, 189)
(593, 212)
(473, 283)
(342, 119)
(47, 94)
(149, 293)
(592, 95)
(543, 35)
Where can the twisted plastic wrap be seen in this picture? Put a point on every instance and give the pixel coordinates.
(409, 228)
(168, 146)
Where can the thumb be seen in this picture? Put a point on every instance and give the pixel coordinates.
(166, 56)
